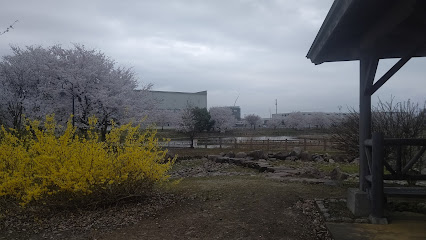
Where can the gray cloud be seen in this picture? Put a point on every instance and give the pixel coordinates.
(252, 48)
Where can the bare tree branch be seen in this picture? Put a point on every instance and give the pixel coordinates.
(8, 28)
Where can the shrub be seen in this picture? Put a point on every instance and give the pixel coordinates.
(400, 120)
(40, 167)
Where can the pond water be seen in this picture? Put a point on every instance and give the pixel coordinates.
(226, 141)
(239, 139)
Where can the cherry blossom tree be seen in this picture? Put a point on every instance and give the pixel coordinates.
(274, 123)
(321, 120)
(193, 121)
(162, 118)
(187, 124)
(222, 117)
(77, 81)
(253, 120)
(25, 77)
(295, 120)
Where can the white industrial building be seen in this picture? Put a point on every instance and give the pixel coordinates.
(176, 101)
(168, 106)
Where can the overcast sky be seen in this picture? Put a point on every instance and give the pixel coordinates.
(253, 50)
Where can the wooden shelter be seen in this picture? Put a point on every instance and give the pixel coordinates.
(370, 30)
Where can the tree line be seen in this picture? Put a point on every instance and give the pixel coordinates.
(78, 83)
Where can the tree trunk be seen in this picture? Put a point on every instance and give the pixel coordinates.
(104, 130)
(16, 112)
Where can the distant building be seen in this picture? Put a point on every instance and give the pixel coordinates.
(176, 101)
(308, 119)
(168, 106)
(236, 111)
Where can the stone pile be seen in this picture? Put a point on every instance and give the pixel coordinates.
(264, 162)
(296, 154)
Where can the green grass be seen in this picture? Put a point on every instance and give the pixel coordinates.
(323, 167)
(184, 164)
(345, 167)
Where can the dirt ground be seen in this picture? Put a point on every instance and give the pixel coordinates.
(210, 202)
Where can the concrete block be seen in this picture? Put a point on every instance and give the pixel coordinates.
(376, 220)
(358, 202)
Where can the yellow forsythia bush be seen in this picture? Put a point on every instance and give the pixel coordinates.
(40, 165)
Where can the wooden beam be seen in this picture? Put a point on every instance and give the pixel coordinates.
(405, 141)
(395, 68)
(418, 44)
(398, 13)
(389, 168)
(413, 160)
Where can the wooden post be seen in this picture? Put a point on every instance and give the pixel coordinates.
(220, 142)
(206, 142)
(235, 144)
(399, 160)
(377, 195)
(304, 144)
(325, 144)
(368, 67)
(286, 145)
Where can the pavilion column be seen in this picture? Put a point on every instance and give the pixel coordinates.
(368, 67)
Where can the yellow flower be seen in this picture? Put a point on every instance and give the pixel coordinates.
(40, 164)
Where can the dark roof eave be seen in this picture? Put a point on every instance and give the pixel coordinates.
(336, 13)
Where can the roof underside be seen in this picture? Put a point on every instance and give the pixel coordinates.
(386, 28)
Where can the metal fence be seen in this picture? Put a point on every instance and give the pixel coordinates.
(252, 144)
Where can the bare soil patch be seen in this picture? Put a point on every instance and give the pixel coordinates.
(213, 201)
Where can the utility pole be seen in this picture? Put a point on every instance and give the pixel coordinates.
(276, 106)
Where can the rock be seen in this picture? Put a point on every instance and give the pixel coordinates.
(222, 154)
(257, 154)
(213, 157)
(337, 174)
(238, 161)
(222, 160)
(230, 154)
(317, 158)
(347, 220)
(312, 173)
(280, 155)
(361, 220)
(356, 161)
(305, 156)
(339, 158)
(291, 158)
(421, 207)
(331, 161)
(241, 155)
(272, 159)
(296, 151)
(423, 171)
